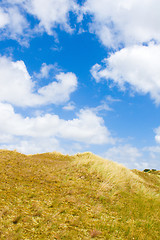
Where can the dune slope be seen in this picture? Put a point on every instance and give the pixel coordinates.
(55, 196)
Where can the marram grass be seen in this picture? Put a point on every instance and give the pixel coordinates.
(53, 196)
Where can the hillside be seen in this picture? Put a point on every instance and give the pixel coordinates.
(53, 196)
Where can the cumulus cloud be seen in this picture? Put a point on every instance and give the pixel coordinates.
(31, 134)
(115, 22)
(86, 128)
(133, 157)
(48, 14)
(124, 22)
(127, 155)
(59, 91)
(4, 18)
(136, 66)
(13, 23)
(32, 146)
(47, 69)
(18, 88)
(51, 13)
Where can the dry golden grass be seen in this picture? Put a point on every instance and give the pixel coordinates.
(53, 196)
(116, 176)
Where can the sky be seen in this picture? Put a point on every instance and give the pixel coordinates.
(81, 76)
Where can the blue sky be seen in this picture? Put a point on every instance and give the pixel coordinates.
(80, 76)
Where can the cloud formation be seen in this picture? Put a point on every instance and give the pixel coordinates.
(69, 107)
(47, 16)
(86, 128)
(136, 67)
(116, 23)
(124, 22)
(13, 23)
(30, 134)
(51, 13)
(18, 88)
(157, 136)
(127, 155)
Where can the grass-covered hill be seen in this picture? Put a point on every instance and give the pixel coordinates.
(53, 196)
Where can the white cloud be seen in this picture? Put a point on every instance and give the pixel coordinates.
(153, 151)
(104, 106)
(157, 137)
(6, 138)
(115, 22)
(52, 12)
(44, 132)
(18, 88)
(70, 106)
(17, 22)
(48, 14)
(110, 99)
(4, 18)
(123, 21)
(13, 23)
(59, 92)
(32, 146)
(127, 155)
(133, 157)
(86, 128)
(137, 66)
(46, 69)
(152, 156)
